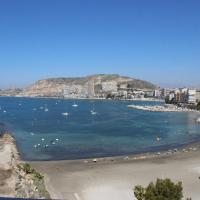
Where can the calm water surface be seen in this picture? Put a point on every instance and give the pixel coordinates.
(114, 130)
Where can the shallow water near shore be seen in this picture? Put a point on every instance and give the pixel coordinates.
(114, 130)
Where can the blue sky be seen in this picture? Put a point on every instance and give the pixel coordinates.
(155, 40)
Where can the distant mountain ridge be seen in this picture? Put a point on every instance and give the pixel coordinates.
(98, 85)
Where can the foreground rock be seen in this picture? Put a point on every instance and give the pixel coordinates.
(18, 179)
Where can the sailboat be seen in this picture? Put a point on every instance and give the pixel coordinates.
(46, 109)
(74, 105)
(93, 112)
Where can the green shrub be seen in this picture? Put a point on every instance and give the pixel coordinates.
(198, 106)
(27, 168)
(163, 189)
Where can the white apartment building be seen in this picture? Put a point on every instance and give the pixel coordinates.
(191, 96)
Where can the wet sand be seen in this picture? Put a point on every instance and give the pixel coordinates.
(115, 178)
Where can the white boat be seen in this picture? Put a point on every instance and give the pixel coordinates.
(75, 105)
(93, 112)
(65, 113)
(46, 109)
(198, 120)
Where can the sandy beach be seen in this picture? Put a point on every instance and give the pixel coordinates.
(115, 178)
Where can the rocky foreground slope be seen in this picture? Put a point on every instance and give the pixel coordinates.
(18, 179)
(95, 86)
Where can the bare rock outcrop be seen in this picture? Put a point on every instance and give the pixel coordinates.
(18, 179)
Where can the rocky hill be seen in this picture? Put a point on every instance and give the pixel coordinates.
(84, 87)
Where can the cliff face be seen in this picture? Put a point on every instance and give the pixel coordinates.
(89, 86)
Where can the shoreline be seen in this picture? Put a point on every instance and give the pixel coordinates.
(146, 155)
(61, 98)
(165, 151)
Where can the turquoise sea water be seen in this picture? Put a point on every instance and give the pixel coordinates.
(114, 130)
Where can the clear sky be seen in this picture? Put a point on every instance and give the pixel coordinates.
(155, 40)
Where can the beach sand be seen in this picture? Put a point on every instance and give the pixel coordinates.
(116, 178)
